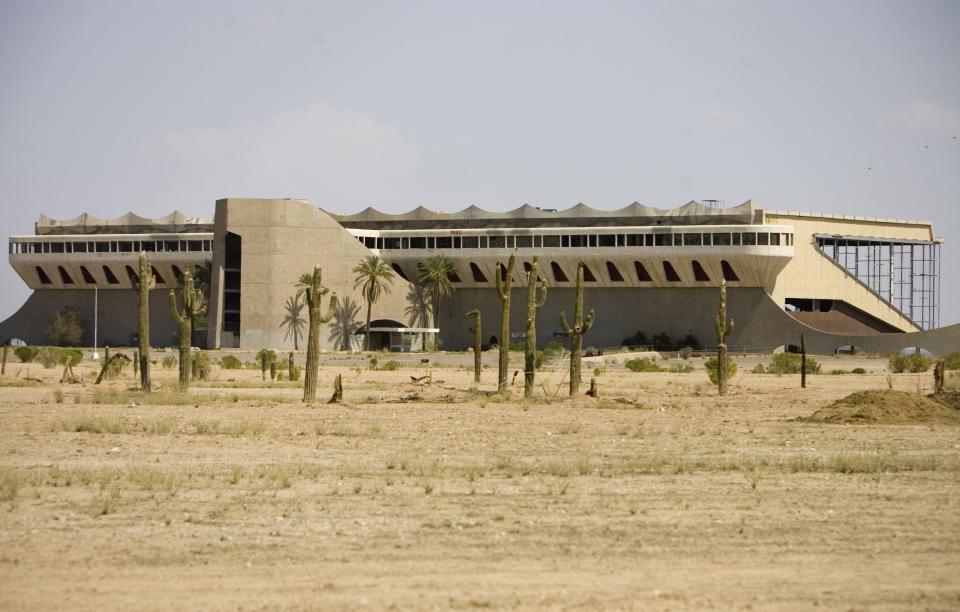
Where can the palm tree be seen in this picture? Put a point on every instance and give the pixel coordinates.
(293, 321)
(436, 275)
(373, 276)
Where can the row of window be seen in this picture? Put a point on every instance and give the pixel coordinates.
(113, 246)
(88, 278)
(578, 240)
(559, 276)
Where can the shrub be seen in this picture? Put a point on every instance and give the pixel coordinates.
(169, 362)
(759, 369)
(295, 373)
(909, 363)
(643, 364)
(230, 362)
(518, 345)
(69, 356)
(686, 352)
(373, 362)
(681, 368)
(48, 356)
(858, 371)
(553, 349)
(390, 366)
(66, 329)
(26, 354)
(952, 361)
(789, 363)
(201, 366)
(711, 365)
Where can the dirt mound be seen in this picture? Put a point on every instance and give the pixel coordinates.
(950, 399)
(885, 408)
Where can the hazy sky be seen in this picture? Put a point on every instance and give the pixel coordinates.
(839, 107)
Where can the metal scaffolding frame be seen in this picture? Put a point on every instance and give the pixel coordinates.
(904, 273)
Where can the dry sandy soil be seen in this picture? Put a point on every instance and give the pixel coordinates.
(429, 496)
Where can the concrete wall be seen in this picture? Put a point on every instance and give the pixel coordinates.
(282, 239)
(118, 316)
(759, 322)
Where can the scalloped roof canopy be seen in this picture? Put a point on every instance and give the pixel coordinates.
(130, 223)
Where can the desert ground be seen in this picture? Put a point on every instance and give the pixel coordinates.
(657, 495)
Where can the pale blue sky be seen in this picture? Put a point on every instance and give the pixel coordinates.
(839, 107)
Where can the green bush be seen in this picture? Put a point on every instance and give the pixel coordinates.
(201, 366)
(909, 363)
(681, 368)
(759, 369)
(390, 366)
(230, 362)
(26, 354)
(169, 362)
(643, 364)
(553, 349)
(858, 371)
(295, 373)
(69, 356)
(789, 363)
(952, 361)
(711, 365)
(66, 328)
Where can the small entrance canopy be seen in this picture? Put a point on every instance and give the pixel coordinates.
(394, 336)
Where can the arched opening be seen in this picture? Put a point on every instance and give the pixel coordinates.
(399, 272)
(132, 276)
(642, 275)
(87, 277)
(588, 275)
(453, 276)
(64, 277)
(157, 276)
(478, 276)
(177, 273)
(111, 277)
(699, 273)
(558, 274)
(614, 274)
(670, 273)
(44, 279)
(503, 272)
(728, 273)
(527, 267)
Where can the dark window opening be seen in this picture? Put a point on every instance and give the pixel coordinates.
(592, 240)
(524, 242)
(607, 240)
(558, 274)
(578, 241)
(470, 242)
(44, 279)
(157, 276)
(728, 273)
(670, 273)
(565, 241)
(418, 242)
(551, 242)
(692, 240)
(391, 243)
(399, 271)
(721, 239)
(775, 239)
(497, 242)
(588, 275)
(111, 277)
(615, 275)
(477, 273)
(736, 240)
(663, 240)
(369, 241)
(79, 247)
(699, 273)
(232, 263)
(749, 238)
(56, 247)
(87, 277)
(634, 239)
(642, 275)
(444, 242)
(763, 238)
(64, 276)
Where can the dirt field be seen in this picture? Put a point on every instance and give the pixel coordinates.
(430, 496)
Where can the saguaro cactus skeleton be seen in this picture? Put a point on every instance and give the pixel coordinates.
(536, 298)
(144, 281)
(576, 332)
(504, 284)
(723, 330)
(803, 363)
(477, 348)
(314, 292)
(193, 305)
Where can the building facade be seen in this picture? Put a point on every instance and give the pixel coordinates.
(870, 283)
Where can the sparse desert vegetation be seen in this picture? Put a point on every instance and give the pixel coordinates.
(419, 492)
